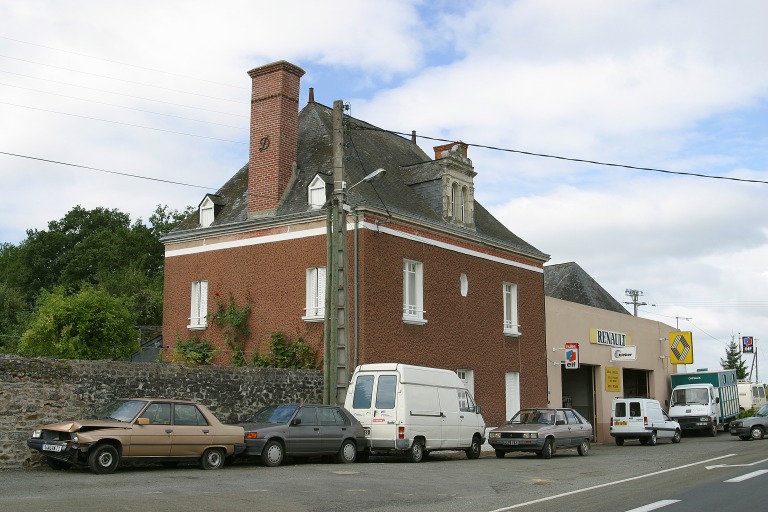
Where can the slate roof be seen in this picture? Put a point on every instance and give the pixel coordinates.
(568, 281)
(366, 149)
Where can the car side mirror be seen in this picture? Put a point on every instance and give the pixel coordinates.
(477, 409)
(142, 421)
(717, 400)
(297, 421)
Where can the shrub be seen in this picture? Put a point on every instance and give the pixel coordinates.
(194, 351)
(285, 353)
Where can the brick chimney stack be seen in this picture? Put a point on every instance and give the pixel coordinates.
(274, 134)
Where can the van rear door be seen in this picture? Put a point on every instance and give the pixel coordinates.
(374, 405)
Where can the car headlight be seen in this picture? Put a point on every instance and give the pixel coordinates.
(494, 435)
(37, 434)
(75, 439)
(531, 435)
(704, 418)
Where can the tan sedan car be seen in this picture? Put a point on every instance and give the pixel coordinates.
(140, 429)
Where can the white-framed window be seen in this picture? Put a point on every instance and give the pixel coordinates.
(206, 212)
(315, 310)
(199, 307)
(413, 292)
(316, 193)
(468, 378)
(511, 325)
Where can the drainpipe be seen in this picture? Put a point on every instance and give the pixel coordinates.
(354, 286)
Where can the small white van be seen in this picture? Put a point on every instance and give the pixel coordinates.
(751, 395)
(415, 410)
(642, 419)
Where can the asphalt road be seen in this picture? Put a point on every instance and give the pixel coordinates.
(691, 476)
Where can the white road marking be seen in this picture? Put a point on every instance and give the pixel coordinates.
(653, 506)
(747, 476)
(736, 465)
(600, 486)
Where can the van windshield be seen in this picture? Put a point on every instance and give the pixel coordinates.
(690, 396)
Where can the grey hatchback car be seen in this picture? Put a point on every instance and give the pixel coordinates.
(293, 430)
(542, 431)
(753, 427)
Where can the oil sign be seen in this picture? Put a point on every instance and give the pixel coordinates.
(572, 356)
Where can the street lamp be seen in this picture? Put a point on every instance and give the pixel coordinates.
(378, 173)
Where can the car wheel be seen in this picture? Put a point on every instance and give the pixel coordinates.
(756, 433)
(103, 459)
(652, 439)
(500, 454)
(347, 453)
(712, 431)
(583, 448)
(213, 458)
(676, 437)
(619, 441)
(473, 452)
(745, 438)
(272, 455)
(547, 449)
(415, 453)
(57, 464)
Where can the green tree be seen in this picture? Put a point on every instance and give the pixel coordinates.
(99, 247)
(89, 324)
(733, 361)
(13, 317)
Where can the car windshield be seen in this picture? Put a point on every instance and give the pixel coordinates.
(690, 396)
(273, 414)
(763, 411)
(531, 416)
(121, 410)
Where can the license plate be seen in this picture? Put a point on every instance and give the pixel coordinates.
(53, 447)
(506, 441)
(620, 423)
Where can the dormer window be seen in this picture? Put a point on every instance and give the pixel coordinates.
(316, 193)
(206, 212)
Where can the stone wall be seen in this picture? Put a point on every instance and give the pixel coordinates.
(38, 391)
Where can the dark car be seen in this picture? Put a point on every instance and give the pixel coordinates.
(753, 427)
(292, 430)
(139, 429)
(543, 431)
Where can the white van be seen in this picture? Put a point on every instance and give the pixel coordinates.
(751, 395)
(642, 419)
(415, 410)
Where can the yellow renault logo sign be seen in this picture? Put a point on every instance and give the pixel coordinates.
(681, 347)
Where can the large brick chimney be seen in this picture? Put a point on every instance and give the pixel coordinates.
(274, 134)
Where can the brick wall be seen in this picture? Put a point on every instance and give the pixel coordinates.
(38, 391)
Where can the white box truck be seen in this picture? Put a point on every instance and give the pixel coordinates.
(704, 400)
(751, 395)
(414, 410)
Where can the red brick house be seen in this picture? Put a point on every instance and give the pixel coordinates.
(440, 281)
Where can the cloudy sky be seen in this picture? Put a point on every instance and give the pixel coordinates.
(160, 90)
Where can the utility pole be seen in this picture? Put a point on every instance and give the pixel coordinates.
(635, 294)
(336, 362)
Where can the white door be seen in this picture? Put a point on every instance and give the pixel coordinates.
(512, 384)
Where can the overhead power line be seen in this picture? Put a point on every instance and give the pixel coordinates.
(125, 124)
(105, 170)
(122, 94)
(165, 72)
(123, 107)
(122, 80)
(569, 159)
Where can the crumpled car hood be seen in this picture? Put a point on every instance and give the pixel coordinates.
(84, 425)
